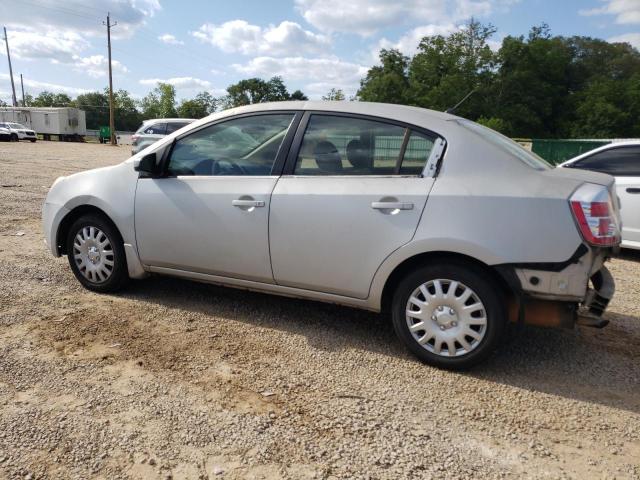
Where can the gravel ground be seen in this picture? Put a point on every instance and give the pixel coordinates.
(174, 379)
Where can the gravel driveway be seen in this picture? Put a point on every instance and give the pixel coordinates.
(174, 379)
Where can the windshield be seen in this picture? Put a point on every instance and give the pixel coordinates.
(507, 145)
(17, 125)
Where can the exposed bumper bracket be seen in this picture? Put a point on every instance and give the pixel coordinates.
(600, 295)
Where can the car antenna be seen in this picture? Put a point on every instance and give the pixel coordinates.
(455, 107)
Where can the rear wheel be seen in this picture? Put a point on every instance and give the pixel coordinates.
(449, 315)
(33, 140)
(96, 254)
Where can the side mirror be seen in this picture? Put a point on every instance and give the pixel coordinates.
(148, 164)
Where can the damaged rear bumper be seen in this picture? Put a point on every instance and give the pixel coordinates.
(529, 310)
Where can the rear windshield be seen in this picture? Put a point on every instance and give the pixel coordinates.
(507, 145)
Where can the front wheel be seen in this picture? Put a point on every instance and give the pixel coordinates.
(14, 137)
(33, 140)
(96, 254)
(449, 315)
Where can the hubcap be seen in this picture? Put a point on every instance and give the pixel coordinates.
(93, 254)
(446, 317)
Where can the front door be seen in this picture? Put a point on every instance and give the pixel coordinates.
(355, 194)
(209, 212)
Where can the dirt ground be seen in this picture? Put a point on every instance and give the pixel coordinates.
(174, 379)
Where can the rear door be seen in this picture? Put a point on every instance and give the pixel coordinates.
(352, 192)
(622, 162)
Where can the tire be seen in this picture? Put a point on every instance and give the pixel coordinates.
(14, 137)
(472, 329)
(32, 140)
(96, 254)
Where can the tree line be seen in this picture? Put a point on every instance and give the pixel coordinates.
(534, 86)
(161, 102)
(538, 86)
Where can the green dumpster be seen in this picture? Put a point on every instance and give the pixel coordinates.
(105, 135)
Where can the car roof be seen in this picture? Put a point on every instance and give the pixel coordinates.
(386, 110)
(156, 120)
(608, 146)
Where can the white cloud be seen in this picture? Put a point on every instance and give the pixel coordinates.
(36, 86)
(626, 11)
(366, 17)
(97, 65)
(288, 38)
(321, 73)
(409, 42)
(632, 38)
(187, 83)
(170, 39)
(60, 46)
(83, 16)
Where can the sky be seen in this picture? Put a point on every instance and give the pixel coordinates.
(314, 45)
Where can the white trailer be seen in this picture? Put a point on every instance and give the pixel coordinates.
(66, 123)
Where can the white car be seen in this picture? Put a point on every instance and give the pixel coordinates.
(447, 225)
(5, 135)
(153, 130)
(622, 160)
(18, 131)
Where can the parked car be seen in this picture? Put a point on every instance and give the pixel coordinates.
(153, 130)
(18, 131)
(449, 226)
(5, 135)
(622, 160)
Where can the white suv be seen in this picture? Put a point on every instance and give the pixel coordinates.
(449, 226)
(18, 131)
(153, 130)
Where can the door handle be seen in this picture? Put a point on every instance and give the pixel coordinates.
(633, 190)
(247, 203)
(392, 205)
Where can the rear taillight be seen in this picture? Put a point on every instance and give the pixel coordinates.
(596, 215)
(134, 139)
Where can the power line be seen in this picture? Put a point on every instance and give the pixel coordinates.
(59, 9)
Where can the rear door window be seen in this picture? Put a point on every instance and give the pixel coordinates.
(618, 161)
(156, 129)
(173, 126)
(337, 145)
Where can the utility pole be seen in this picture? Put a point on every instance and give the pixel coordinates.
(13, 87)
(111, 118)
(22, 87)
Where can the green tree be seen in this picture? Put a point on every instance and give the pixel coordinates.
(334, 95)
(531, 88)
(446, 69)
(160, 102)
(192, 109)
(50, 99)
(298, 95)
(127, 115)
(96, 107)
(388, 82)
(257, 90)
